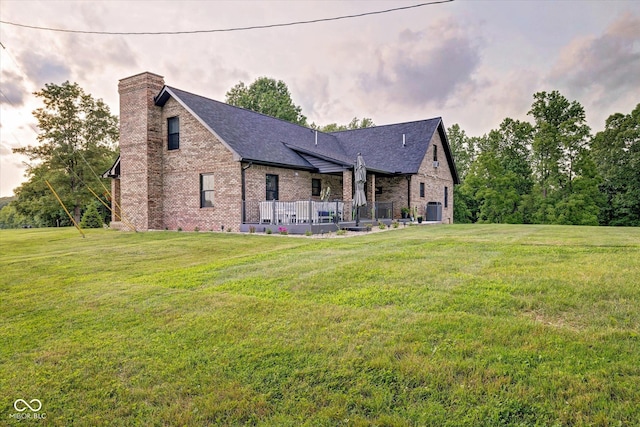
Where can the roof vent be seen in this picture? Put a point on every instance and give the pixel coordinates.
(404, 140)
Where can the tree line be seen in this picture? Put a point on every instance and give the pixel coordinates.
(552, 170)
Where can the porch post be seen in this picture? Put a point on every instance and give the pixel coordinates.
(347, 191)
(372, 178)
(274, 220)
(116, 215)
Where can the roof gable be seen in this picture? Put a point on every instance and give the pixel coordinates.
(255, 136)
(396, 148)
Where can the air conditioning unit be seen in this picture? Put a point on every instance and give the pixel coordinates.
(436, 163)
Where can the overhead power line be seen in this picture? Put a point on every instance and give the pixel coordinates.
(223, 30)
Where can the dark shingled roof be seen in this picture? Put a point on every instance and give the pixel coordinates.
(382, 146)
(263, 139)
(397, 148)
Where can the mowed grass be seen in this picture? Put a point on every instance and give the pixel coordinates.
(461, 325)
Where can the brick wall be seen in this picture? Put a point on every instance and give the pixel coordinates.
(200, 152)
(116, 200)
(435, 180)
(140, 151)
(347, 185)
(293, 184)
(160, 188)
(395, 189)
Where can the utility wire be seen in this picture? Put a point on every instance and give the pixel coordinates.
(226, 30)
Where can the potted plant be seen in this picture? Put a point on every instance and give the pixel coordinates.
(419, 219)
(405, 212)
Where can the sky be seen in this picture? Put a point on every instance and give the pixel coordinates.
(473, 63)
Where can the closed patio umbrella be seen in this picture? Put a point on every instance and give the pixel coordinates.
(360, 198)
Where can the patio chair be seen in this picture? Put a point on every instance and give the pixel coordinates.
(340, 211)
(323, 211)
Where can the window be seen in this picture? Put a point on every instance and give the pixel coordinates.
(173, 126)
(316, 186)
(272, 187)
(422, 189)
(206, 190)
(435, 153)
(446, 197)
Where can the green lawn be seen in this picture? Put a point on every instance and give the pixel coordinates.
(461, 325)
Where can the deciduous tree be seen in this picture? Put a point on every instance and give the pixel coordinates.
(560, 151)
(267, 96)
(616, 152)
(354, 124)
(500, 176)
(77, 138)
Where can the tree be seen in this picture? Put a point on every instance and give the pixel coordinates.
(10, 218)
(354, 124)
(91, 218)
(4, 201)
(616, 153)
(77, 138)
(500, 176)
(513, 140)
(463, 149)
(560, 148)
(560, 139)
(267, 96)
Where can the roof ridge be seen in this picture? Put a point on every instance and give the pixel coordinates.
(387, 125)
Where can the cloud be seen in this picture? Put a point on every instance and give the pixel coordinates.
(93, 54)
(5, 150)
(219, 78)
(423, 67)
(13, 89)
(311, 90)
(42, 69)
(605, 67)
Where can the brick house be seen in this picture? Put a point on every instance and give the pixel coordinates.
(190, 162)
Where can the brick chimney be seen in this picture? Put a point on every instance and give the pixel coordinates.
(141, 150)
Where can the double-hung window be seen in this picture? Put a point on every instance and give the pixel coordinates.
(272, 187)
(173, 134)
(316, 186)
(206, 190)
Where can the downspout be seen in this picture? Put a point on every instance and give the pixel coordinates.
(409, 192)
(244, 168)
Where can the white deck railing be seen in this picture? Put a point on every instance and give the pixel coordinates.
(310, 211)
